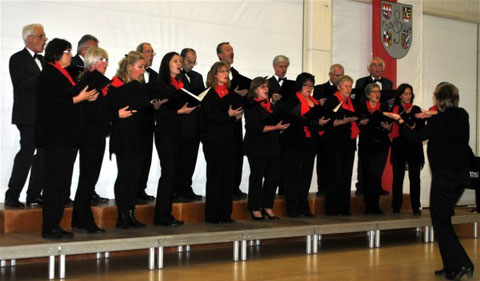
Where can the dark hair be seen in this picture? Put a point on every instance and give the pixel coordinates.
(219, 47)
(446, 95)
(185, 51)
(256, 82)
(400, 91)
(55, 48)
(83, 41)
(164, 71)
(140, 47)
(302, 78)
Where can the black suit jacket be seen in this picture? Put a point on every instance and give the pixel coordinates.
(190, 123)
(324, 91)
(196, 80)
(358, 96)
(77, 61)
(217, 125)
(256, 141)
(24, 73)
(274, 86)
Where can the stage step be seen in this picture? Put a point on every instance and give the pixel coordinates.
(29, 219)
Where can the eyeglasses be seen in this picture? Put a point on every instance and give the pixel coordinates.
(103, 59)
(67, 52)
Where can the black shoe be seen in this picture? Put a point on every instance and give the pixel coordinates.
(123, 221)
(14, 203)
(441, 272)
(374, 212)
(457, 274)
(144, 196)
(35, 201)
(97, 199)
(320, 194)
(308, 214)
(68, 202)
(228, 220)
(56, 233)
(88, 229)
(417, 212)
(358, 193)
(133, 220)
(191, 195)
(345, 214)
(383, 192)
(213, 221)
(293, 215)
(181, 199)
(396, 211)
(265, 214)
(256, 218)
(238, 194)
(170, 222)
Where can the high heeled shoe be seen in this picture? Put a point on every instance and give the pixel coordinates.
(457, 274)
(256, 218)
(133, 221)
(265, 214)
(441, 272)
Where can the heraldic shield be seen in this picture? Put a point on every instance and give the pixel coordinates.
(396, 31)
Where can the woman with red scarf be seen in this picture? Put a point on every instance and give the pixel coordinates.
(262, 148)
(302, 139)
(340, 140)
(57, 129)
(217, 135)
(167, 132)
(405, 153)
(373, 146)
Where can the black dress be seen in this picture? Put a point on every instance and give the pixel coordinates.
(405, 153)
(217, 136)
(263, 153)
(448, 155)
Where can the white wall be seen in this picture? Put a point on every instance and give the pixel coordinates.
(258, 31)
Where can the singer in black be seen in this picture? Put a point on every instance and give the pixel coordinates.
(373, 147)
(448, 154)
(218, 120)
(405, 152)
(262, 148)
(58, 131)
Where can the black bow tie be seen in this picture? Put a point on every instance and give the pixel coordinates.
(282, 79)
(377, 80)
(35, 56)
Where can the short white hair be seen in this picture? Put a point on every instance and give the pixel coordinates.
(382, 63)
(30, 30)
(280, 58)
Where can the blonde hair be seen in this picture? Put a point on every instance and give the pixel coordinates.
(344, 78)
(212, 74)
(92, 55)
(129, 60)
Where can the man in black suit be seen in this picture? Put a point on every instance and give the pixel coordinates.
(150, 86)
(275, 83)
(189, 139)
(321, 93)
(84, 43)
(376, 67)
(225, 54)
(25, 67)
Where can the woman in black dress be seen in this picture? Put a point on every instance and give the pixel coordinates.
(448, 154)
(373, 147)
(262, 148)
(167, 132)
(405, 153)
(218, 120)
(58, 131)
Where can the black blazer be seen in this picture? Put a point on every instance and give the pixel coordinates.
(358, 95)
(324, 91)
(373, 131)
(196, 80)
(216, 124)
(190, 123)
(167, 119)
(151, 89)
(339, 136)
(401, 147)
(77, 61)
(448, 133)
(256, 141)
(274, 86)
(24, 73)
(58, 118)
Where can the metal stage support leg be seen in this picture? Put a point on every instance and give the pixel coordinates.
(187, 248)
(377, 238)
(160, 257)
(106, 255)
(62, 267)
(244, 250)
(251, 243)
(475, 229)
(418, 229)
(426, 236)
(151, 258)
(3, 263)
(319, 237)
(315, 243)
(235, 250)
(431, 235)
(371, 239)
(13, 262)
(309, 244)
(51, 267)
(257, 242)
(180, 249)
(99, 255)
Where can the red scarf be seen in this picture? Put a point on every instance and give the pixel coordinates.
(395, 129)
(433, 108)
(221, 90)
(177, 83)
(372, 109)
(349, 106)
(63, 71)
(304, 108)
(116, 82)
(265, 104)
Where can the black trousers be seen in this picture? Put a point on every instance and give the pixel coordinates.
(261, 193)
(237, 149)
(372, 156)
(219, 187)
(166, 148)
(27, 160)
(398, 166)
(91, 158)
(340, 160)
(129, 167)
(187, 152)
(444, 194)
(321, 167)
(146, 163)
(58, 176)
(298, 178)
